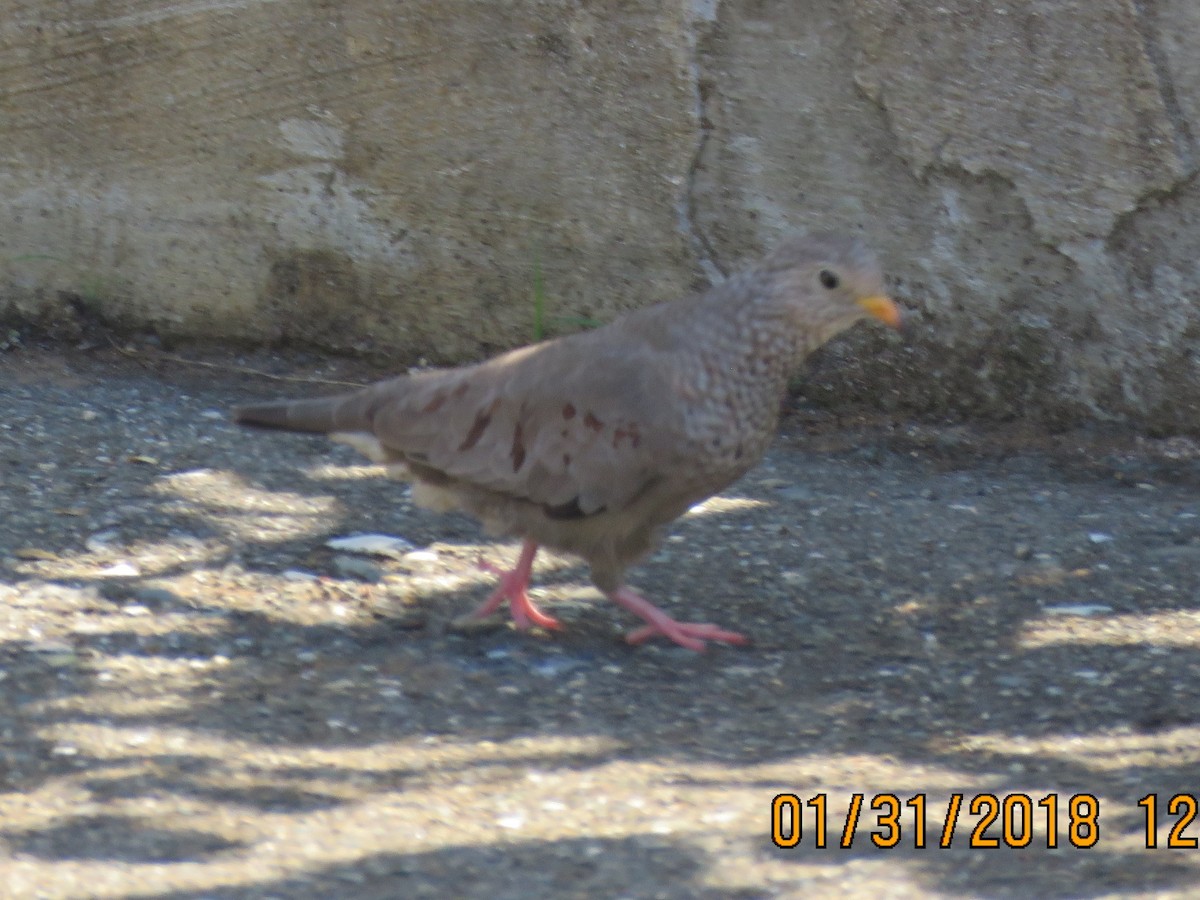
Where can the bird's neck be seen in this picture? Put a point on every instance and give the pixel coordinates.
(743, 370)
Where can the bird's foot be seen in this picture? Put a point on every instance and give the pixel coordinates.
(686, 634)
(513, 587)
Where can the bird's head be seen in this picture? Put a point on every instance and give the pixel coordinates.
(829, 282)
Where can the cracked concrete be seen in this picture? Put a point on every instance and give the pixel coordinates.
(1149, 28)
(388, 179)
(704, 17)
(1005, 90)
(168, 167)
(995, 155)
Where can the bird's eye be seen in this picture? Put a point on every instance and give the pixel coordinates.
(828, 279)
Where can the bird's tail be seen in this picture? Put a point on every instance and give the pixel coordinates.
(322, 415)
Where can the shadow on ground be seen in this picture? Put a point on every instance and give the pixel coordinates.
(212, 727)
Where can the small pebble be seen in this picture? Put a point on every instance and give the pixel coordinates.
(419, 556)
(99, 542)
(554, 667)
(298, 575)
(372, 545)
(120, 570)
(1077, 609)
(362, 569)
(156, 596)
(50, 647)
(36, 554)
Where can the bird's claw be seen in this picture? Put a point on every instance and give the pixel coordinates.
(687, 634)
(513, 587)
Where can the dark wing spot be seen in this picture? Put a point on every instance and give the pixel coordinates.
(568, 510)
(592, 422)
(623, 432)
(569, 411)
(483, 418)
(566, 459)
(435, 404)
(518, 449)
(461, 390)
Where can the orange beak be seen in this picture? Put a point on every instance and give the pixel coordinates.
(883, 308)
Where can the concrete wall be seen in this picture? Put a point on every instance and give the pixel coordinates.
(389, 175)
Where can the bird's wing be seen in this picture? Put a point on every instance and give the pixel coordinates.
(577, 426)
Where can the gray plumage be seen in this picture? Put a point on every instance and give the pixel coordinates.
(591, 443)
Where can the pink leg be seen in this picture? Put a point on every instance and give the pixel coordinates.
(687, 634)
(512, 587)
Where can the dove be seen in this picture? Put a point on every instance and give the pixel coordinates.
(592, 443)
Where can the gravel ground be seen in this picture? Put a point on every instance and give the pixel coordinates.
(199, 699)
